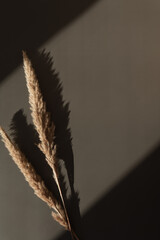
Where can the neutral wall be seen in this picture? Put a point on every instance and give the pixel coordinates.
(108, 60)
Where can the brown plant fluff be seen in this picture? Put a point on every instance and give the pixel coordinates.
(44, 127)
(34, 180)
(40, 116)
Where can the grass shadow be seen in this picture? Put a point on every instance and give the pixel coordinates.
(26, 137)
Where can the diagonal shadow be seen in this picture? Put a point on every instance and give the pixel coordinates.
(26, 137)
(28, 24)
(131, 209)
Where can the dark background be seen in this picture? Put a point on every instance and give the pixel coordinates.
(107, 54)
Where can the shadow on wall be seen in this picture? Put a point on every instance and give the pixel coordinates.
(131, 210)
(26, 137)
(28, 24)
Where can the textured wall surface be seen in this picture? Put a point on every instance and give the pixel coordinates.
(108, 60)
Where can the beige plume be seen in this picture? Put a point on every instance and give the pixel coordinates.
(34, 180)
(43, 125)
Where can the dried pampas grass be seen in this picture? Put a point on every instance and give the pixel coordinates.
(45, 129)
(34, 180)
